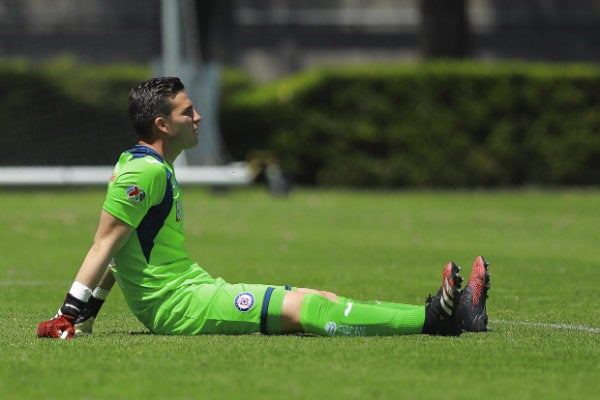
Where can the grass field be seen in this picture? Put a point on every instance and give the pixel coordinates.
(544, 303)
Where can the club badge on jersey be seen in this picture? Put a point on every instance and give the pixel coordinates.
(244, 301)
(135, 194)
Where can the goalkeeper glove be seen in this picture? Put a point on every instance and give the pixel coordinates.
(62, 325)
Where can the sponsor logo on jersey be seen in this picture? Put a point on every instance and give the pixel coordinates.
(135, 194)
(244, 301)
(331, 328)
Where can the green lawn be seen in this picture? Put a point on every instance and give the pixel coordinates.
(544, 304)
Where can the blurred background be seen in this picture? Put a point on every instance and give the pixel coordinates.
(273, 38)
(292, 85)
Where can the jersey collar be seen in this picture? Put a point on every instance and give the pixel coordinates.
(142, 151)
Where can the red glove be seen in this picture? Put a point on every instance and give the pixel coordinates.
(60, 326)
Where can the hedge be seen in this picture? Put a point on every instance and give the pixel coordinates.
(449, 124)
(444, 124)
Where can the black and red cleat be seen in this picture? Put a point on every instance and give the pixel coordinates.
(472, 306)
(441, 311)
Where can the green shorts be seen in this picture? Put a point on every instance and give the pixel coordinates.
(219, 307)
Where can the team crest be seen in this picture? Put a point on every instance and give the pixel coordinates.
(244, 301)
(135, 194)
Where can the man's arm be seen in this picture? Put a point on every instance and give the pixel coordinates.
(111, 236)
(84, 324)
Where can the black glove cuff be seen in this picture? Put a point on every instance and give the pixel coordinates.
(72, 306)
(94, 305)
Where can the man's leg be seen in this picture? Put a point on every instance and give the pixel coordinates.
(307, 311)
(218, 307)
(313, 313)
(345, 300)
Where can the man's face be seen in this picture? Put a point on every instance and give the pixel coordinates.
(183, 122)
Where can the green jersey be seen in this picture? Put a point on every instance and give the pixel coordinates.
(144, 193)
(167, 291)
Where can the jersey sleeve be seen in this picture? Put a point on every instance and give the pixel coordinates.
(138, 185)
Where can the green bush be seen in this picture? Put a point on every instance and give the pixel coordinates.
(443, 124)
(425, 124)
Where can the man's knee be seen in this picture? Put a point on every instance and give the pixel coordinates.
(290, 312)
(328, 295)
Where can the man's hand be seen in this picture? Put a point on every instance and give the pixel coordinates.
(60, 326)
(63, 324)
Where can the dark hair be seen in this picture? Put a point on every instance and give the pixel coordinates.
(150, 99)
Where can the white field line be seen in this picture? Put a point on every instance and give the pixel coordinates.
(32, 283)
(572, 327)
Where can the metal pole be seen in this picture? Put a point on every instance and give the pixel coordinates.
(171, 36)
(171, 47)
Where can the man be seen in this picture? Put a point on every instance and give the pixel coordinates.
(141, 227)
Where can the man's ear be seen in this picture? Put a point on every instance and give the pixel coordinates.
(161, 124)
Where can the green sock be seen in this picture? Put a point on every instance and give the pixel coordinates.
(327, 318)
(385, 304)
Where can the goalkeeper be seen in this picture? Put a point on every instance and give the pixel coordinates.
(141, 228)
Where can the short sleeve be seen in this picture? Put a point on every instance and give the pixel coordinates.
(136, 186)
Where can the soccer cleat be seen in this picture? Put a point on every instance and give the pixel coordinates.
(441, 311)
(472, 308)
